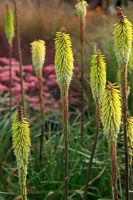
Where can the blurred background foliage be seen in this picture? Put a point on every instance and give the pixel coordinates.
(41, 18)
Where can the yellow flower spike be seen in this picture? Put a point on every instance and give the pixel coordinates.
(81, 8)
(130, 134)
(38, 59)
(38, 54)
(122, 39)
(122, 46)
(98, 75)
(111, 111)
(21, 145)
(9, 25)
(63, 58)
(111, 120)
(97, 82)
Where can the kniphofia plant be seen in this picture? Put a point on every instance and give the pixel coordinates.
(64, 72)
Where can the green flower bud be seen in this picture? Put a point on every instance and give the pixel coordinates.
(81, 8)
(111, 111)
(9, 26)
(122, 39)
(21, 146)
(38, 54)
(98, 75)
(130, 134)
(63, 58)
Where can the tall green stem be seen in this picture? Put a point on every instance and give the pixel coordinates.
(124, 88)
(64, 98)
(114, 169)
(10, 77)
(23, 185)
(81, 10)
(82, 39)
(40, 88)
(20, 55)
(93, 149)
(131, 181)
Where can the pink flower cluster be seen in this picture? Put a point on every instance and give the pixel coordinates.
(51, 94)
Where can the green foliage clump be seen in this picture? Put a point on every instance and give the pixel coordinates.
(98, 75)
(63, 58)
(38, 54)
(122, 39)
(111, 111)
(9, 26)
(21, 145)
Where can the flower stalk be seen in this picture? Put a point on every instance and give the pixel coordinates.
(81, 9)
(19, 54)
(130, 146)
(114, 168)
(64, 72)
(21, 145)
(64, 99)
(122, 46)
(9, 31)
(98, 81)
(41, 98)
(38, 59)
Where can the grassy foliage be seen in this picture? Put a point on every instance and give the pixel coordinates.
(45, 181)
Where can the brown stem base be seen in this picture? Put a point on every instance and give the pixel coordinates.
(10, 77)
(64, 97)
(82, 33)
(20, 55)
(114, 169)
(40, 88)
(131, 179)
(124, 89)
